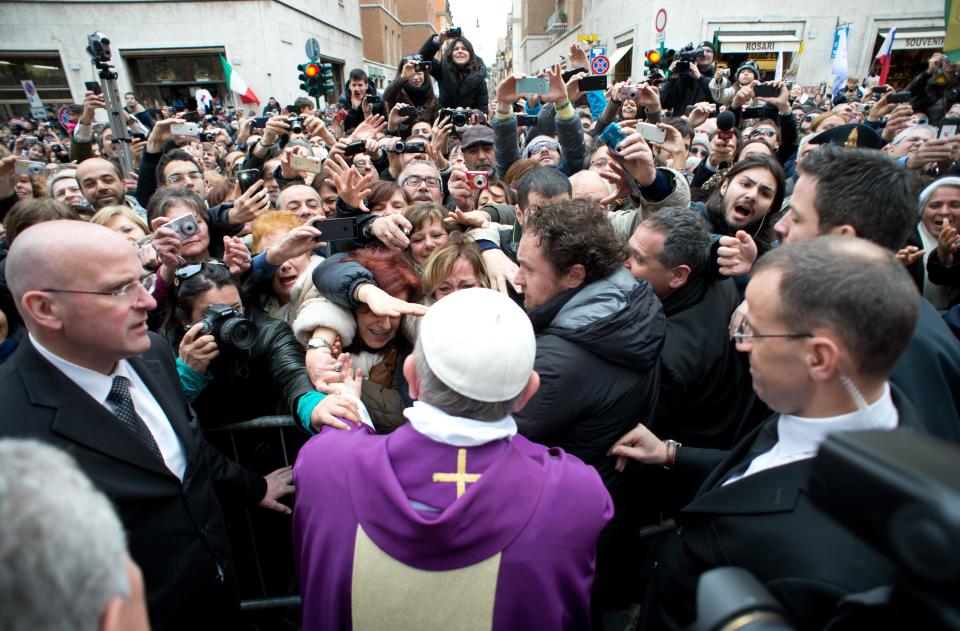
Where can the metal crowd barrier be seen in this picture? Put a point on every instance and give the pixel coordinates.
(267, 597)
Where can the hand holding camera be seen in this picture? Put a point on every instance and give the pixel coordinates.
(198, 348)
(460, 188)
(91, 103)
(254, 201)
(301, 240)
(277, 126)
(637, 157)
(558, 89)
(166, 242)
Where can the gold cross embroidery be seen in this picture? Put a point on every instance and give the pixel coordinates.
(461, 477)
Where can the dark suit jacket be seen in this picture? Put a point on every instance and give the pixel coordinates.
(767, 524)
(175, 530)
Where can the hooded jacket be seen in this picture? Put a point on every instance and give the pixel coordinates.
(597, 356)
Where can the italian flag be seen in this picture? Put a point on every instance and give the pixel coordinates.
(236, 83)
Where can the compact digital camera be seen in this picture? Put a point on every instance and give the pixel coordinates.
(185, 226)
(477, 180)
(407, 147)
(296, 124)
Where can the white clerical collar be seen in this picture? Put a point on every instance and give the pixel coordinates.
(456, 430)
(799, 438)
(94, 383)
(797, 434)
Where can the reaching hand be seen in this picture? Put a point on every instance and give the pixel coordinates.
(369, 128)
(573, 87)
(392, 231)
(910, 254)
(897, 121)
(736, 255)
(236, 256)
(384, 305)
(91, 103)
(460, 191)
(500, 269)
(639, 444)
(279, 484)
(299, 241)
(638, 159)
(331, 410)
(578, 57)
(353, 188)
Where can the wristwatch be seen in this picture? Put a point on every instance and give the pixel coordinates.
(671, 453)
(319, 342)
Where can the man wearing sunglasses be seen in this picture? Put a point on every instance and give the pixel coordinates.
(89, 378)
(820, 370)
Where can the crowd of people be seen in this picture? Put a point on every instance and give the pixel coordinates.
(553, 356)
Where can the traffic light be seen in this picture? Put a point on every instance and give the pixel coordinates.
(652, 58)
(326, 76)
(310, 75)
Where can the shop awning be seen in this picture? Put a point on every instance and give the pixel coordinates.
(914, 40)
(619, 54)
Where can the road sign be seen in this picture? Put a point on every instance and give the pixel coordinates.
(600, 64)
(312, 48)
(661, 37)
(36, 105)
(597, 50)
(660, 22)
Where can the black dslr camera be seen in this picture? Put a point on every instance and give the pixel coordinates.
(459, 117)
(229, 327)
(419, 64)
(296, 124)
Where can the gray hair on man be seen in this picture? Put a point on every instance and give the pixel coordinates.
(63, 548)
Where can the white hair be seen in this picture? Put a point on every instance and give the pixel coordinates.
(902, 135)
(62, 545)
(587, 176)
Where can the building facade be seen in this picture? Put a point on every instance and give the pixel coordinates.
(165, 51)
(393, 29)
(748, 29)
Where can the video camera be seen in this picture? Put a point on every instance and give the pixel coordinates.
(98, 47)
(686, 56)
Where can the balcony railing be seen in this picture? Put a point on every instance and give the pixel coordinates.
(557, 24)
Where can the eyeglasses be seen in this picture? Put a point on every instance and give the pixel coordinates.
(769, 133)
(147, 284)
(699, 151)
(741, 330)
(415, 180)
(180, 177)
(187, 272)
(540, 146)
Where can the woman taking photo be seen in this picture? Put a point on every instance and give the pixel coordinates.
(411, 87)
(461, 74)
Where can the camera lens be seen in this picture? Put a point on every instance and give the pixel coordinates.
(239, 332)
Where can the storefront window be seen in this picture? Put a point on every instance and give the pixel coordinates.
(172, 77)
(46, 72)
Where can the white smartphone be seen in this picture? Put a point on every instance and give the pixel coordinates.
(652, 133)
(185, 129)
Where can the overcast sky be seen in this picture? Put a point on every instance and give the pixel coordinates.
(492, 15)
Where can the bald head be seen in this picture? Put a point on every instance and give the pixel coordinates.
(100, 182)
(77, 286)
(301, 199)
(52, 253)
(590, 185)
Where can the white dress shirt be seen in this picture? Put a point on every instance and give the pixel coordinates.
(98, 385)
(799, 438)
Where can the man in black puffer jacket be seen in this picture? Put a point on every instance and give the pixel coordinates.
(599, 333)
(461, 74)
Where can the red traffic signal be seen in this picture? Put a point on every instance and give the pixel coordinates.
(311, 70)
(653, 56)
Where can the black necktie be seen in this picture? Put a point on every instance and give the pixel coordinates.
(123, 405)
